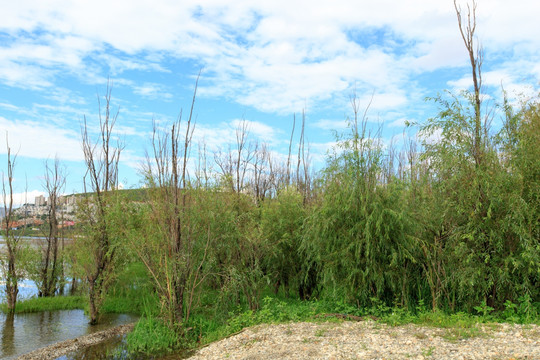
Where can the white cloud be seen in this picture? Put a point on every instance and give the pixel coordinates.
(9, 107)
(223, 136)
(23, 76)
(326, 124)
(38, 140)
(399, 123)
(280, 56)
(152, 91)
(21, 198)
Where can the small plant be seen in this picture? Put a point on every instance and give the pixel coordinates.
(428, 352)
(454, 334)
(510, 312)
(526, 310)
(484, 310)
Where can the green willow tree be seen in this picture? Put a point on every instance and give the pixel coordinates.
(520, 185)
(358, 236)
(281, 228)
(474, 243)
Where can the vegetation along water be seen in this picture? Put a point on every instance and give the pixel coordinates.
(446, 227)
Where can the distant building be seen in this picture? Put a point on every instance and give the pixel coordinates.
(40, 201)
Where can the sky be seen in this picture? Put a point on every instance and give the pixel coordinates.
(260, 61)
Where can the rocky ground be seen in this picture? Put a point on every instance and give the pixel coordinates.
(348, 340)
(371, 340)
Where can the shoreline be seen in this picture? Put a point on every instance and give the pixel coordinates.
(65, 347)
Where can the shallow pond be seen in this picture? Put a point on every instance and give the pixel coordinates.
(26, 332)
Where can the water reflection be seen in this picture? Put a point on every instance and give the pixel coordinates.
(8, 334)
(115, 349)
(22, 333)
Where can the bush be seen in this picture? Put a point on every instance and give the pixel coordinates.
(152, 336)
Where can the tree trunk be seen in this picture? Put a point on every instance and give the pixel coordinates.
(12, 289)
(92, 302)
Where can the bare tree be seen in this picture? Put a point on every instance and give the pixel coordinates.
(101, 178)
(234, 164)
(303, 179)
(288, 176)
(54, 183)
(263, 176)
(244, 154)
(168, 255)
(475, 53)
(202, 173)
(225, 163)
(12, 240)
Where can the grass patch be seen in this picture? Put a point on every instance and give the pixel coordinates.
(209, 327)
(152, 336)
(48, 304)
(128, 305)
(456, 333)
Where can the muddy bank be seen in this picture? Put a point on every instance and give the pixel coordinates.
(65, 347)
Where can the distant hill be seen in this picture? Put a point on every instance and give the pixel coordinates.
(131, 194)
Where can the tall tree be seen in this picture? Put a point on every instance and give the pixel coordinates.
(169, 241)
(12, 240)
(101, 184)
(54, 183)
(474, 50)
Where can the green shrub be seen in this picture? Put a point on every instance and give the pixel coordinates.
(152, 336)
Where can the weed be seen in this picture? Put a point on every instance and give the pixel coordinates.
(456, 334)
(428, 352)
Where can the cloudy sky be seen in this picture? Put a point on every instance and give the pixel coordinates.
(262, 61)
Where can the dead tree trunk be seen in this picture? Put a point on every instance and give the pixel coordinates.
(12, 240)
(54, 182)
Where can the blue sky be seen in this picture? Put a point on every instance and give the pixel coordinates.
(261, 61)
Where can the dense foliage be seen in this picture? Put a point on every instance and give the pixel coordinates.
(379, 229)
(444, 224)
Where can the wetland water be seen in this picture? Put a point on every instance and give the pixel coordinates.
(22, 333)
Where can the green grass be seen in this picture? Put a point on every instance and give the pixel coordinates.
(152, 336)
(128, 305)
(48, 304)
(206, 328)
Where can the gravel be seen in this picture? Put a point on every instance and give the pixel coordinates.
(372, 340)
